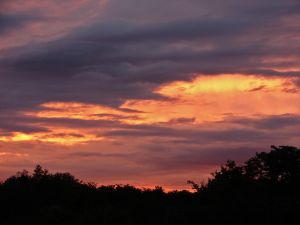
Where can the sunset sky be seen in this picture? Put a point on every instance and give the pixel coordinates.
(146, 92)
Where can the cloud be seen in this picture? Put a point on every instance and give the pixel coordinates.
(29, 21)
(91, 68)
(160, 86)
(14, 21)
(270, 122)
(194, 135)
(178, 9)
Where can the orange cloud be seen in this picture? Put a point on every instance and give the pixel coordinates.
(187, 103)
(211, 98)
(81, 111)
(58, 136)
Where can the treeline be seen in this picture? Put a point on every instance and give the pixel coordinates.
(263, 190)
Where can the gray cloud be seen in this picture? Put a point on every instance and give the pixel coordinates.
(192, 135)
(270, 122)
(113, 60)
(14, 21)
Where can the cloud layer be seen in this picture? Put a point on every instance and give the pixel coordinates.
(108, 88)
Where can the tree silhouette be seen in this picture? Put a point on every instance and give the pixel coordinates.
(263, 190)
(282, 164)
(39, 172)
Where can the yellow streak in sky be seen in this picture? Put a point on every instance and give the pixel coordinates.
(220, 84)
(211, 98)
(17, 136)
(63, 137)
(204, 99)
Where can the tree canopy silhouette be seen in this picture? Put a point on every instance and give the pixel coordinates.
(263, 190)
(280, 166)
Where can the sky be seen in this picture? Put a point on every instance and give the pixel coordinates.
(146, 92)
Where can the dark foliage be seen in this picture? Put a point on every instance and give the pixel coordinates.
(265, 190)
